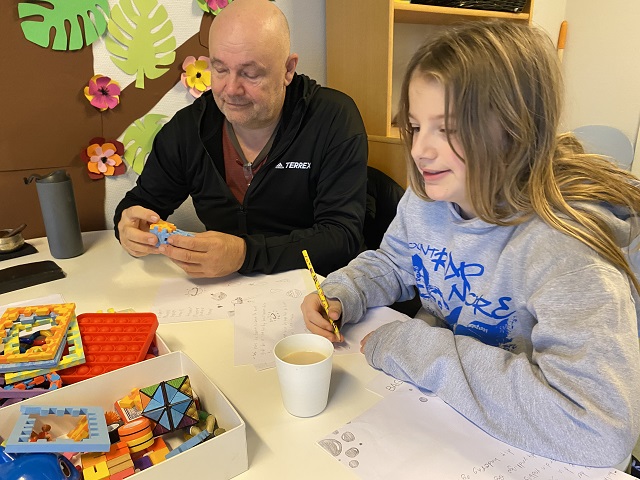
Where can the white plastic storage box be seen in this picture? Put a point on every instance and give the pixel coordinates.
(220, 458)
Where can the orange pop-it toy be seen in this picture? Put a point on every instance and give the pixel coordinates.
(111, 341)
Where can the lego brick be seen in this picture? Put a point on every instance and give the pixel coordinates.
(117, 450)
(158, 456)
(99, 471)
(123, 474)
(90, 459)
(124, 464)
(142, 463)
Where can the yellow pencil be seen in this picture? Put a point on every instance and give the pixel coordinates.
(323, 299)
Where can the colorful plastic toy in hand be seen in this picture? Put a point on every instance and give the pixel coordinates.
(163, 230)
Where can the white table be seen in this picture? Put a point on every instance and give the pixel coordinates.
(280, 446)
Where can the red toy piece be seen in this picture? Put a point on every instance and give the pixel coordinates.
(111, 341)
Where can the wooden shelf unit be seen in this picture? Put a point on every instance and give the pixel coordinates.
(360, 39)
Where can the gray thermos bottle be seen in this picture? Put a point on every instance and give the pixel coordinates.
(59, 213)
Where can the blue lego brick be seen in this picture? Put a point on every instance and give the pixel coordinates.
(192, 442)
(163, 235)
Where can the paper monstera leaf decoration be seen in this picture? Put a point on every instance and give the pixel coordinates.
(94, 15)
(138, 139)
(140, 39)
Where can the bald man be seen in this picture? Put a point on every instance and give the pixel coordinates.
(273, 162)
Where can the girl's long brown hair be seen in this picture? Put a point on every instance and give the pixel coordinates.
(507, 75)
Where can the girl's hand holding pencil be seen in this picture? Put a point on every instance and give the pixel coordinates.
(319, 304)
(315, 317)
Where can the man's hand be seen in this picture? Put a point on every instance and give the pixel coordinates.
(315, 319)
(134, 231)
(207, 254)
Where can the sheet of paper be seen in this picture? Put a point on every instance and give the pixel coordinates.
(414, 435)
(262, 321)
(189, 299)
(384, 384)
(354, 332)
(258, 327)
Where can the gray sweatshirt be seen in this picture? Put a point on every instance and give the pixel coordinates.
(537, 342)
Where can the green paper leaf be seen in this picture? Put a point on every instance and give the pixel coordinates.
(141, 39)
(138, 139)
(94, 14)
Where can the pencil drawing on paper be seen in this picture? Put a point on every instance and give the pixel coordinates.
(294, 293)
(194, 291)
(217, 296)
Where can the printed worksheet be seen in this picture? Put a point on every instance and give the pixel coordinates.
(192, 299)
(412, 434)
(259, 325)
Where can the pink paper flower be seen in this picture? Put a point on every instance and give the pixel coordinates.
(216, 4)
(104, 158)
(102, 92)
(213, 6)
(197, 75)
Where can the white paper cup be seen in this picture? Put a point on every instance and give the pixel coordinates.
(304, 387)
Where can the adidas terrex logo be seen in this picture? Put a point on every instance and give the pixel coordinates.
(300, 165)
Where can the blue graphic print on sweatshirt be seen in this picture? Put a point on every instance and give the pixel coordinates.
(492, 319)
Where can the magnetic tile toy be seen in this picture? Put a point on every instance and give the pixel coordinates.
(19, 440)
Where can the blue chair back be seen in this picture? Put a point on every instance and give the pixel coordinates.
(607, 141)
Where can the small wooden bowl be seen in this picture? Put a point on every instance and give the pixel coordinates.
(12, 243)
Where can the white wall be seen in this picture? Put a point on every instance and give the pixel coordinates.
(602, 64)
(548, 15)
(307, 24)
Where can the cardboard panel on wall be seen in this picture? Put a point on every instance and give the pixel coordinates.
(46, 120)
(45, 115)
